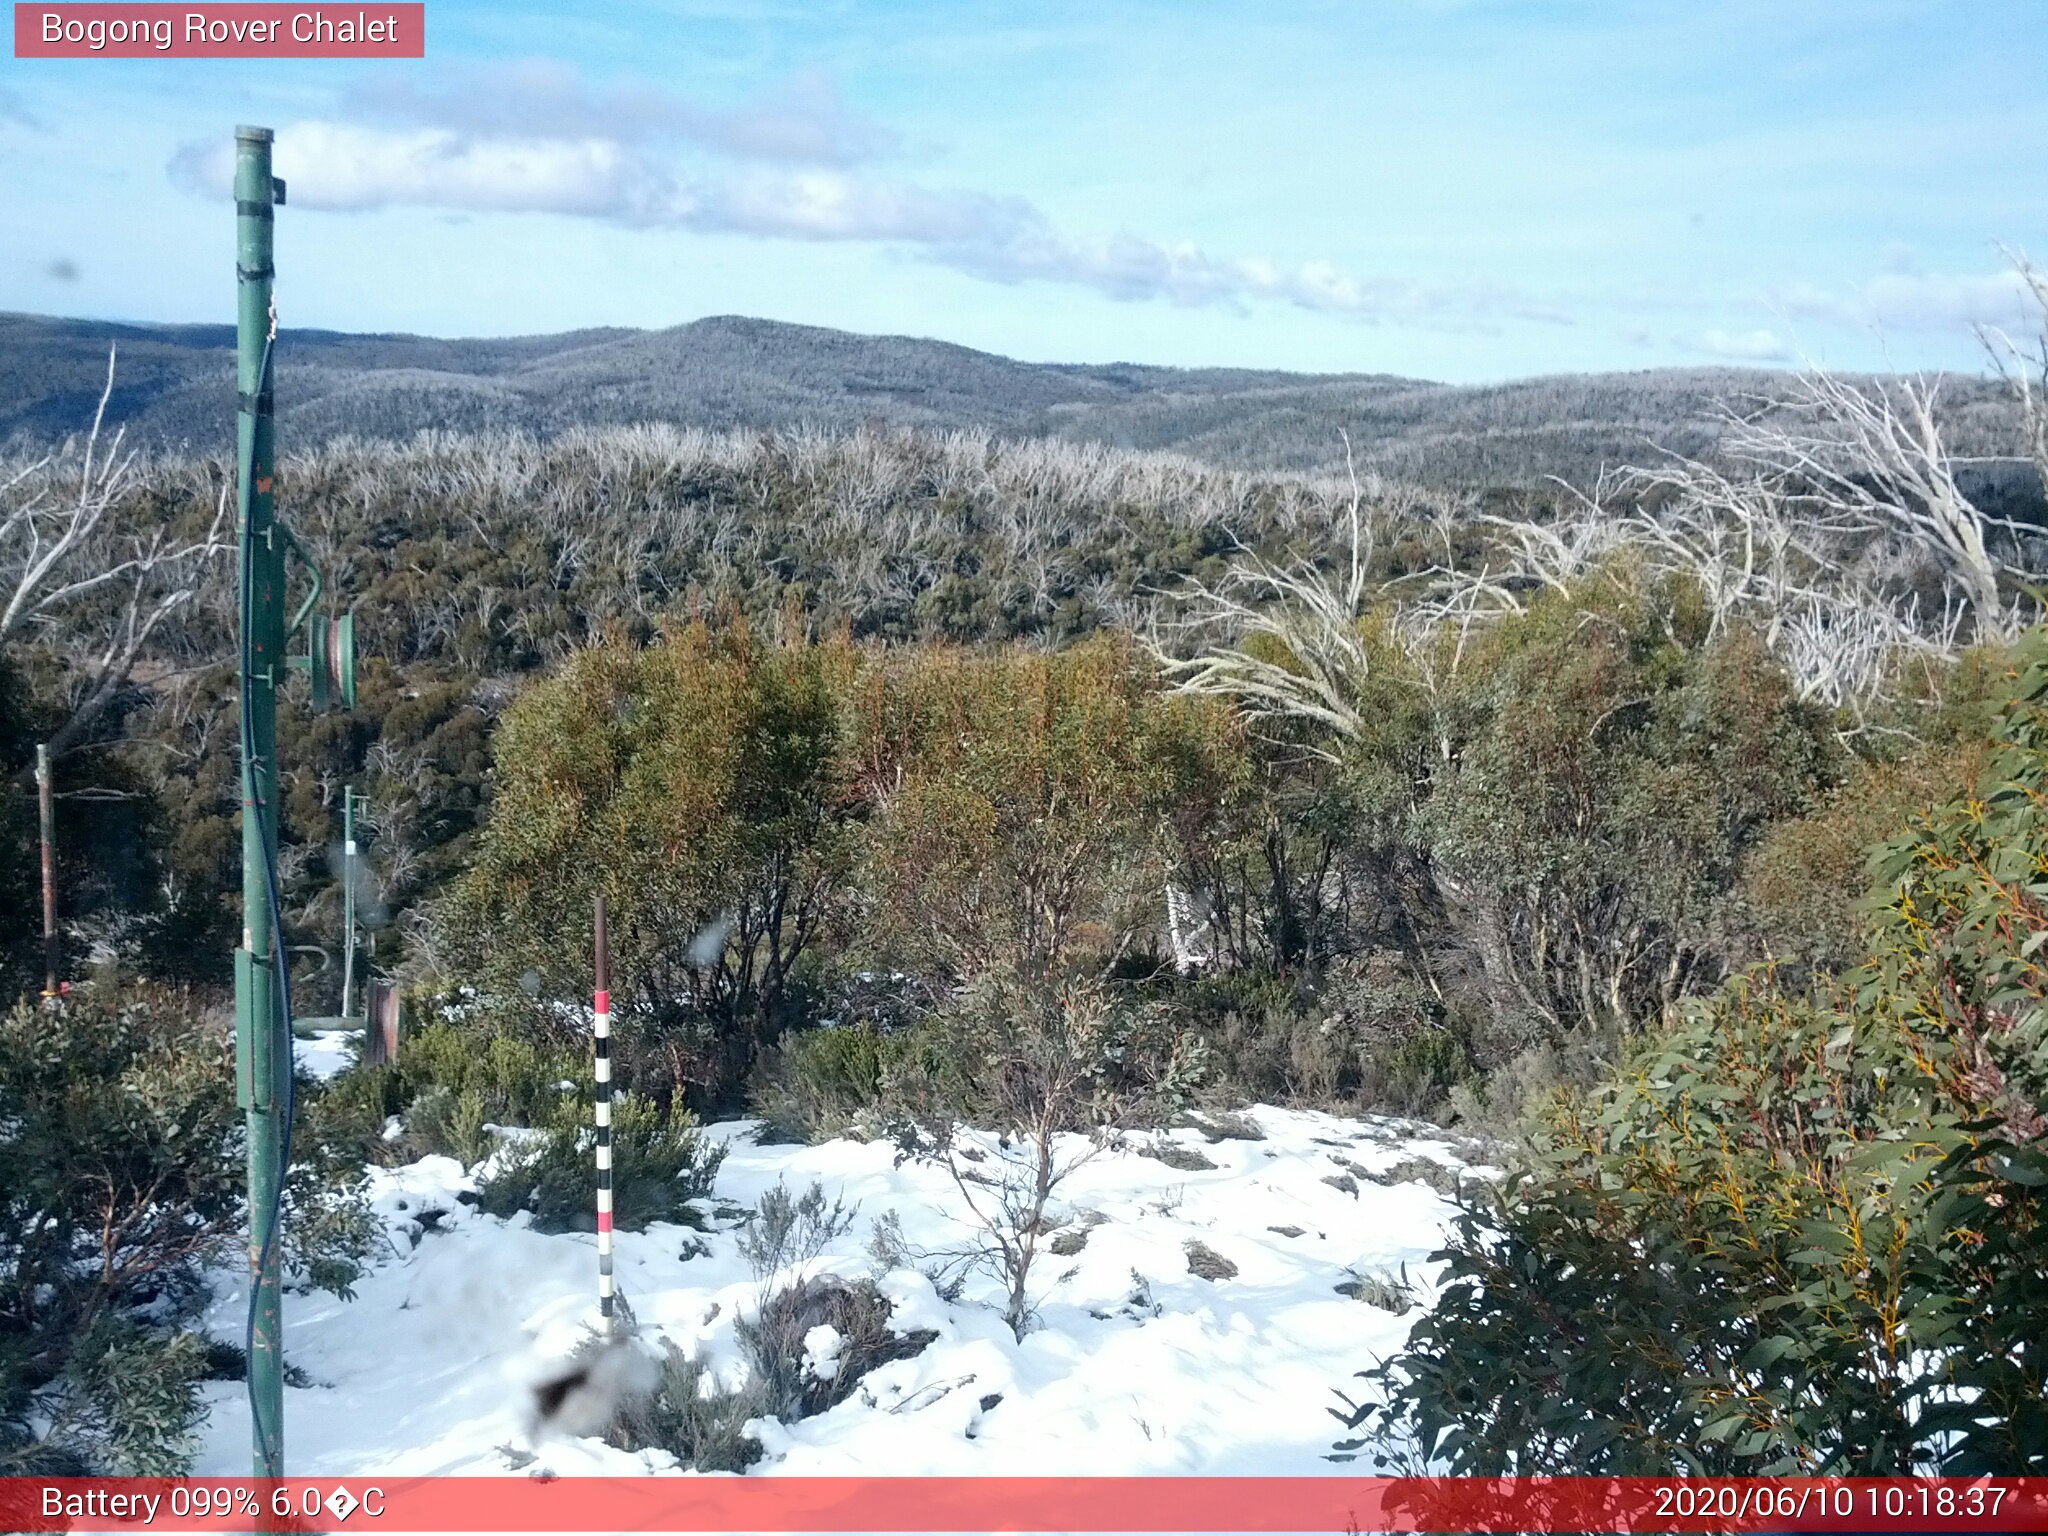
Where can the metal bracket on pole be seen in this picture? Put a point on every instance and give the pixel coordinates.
(256, 1056)
(330, 659)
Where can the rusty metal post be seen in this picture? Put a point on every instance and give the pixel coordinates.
(381, 1024)
(348, 899)
(46, 801)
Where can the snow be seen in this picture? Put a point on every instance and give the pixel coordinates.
(821, 1352)
(1136, 1364)
(326, 1052)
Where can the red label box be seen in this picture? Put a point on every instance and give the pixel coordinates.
(385, 1506)
(371, 30)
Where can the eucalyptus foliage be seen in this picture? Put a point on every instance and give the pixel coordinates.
(1801, 1231)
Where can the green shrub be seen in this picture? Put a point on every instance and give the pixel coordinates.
(699, 785)
(349, 1110)
(1990, 1209)
(851, 1081)
(792, 1230)
(451, 1080)
(1794, 880)
(1504, 1103)
(132, 1393)
(1414, 1074)
(1020, 808)
(1803, 1230)
(659, 1164)
(452, 1124)
(702, 1423)
(825, 1082)
(121, 1183)
(1266, 1042)
(1609, 762)
(1369, 1038)
(1607, 1318)
(516, 1077)
(776, 1341)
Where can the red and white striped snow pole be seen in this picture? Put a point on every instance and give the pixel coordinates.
(601, 1029)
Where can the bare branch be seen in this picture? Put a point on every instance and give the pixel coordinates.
(80, 579)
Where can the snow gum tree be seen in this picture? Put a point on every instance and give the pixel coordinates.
(1021, 809)
(697, 783)
(1803, 1230)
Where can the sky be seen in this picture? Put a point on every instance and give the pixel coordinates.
(1453, 189)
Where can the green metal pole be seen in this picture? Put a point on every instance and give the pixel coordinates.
(262, 1033)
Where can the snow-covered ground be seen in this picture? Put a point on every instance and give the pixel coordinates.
(1137, 1364)
(324, 1052)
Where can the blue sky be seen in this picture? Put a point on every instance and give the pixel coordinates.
(1457, 189)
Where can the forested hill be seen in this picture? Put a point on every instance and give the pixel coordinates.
(175, 386)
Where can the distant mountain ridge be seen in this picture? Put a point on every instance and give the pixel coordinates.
(175, 386)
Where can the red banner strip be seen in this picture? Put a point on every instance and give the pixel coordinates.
(969, 1504)
(372, 30)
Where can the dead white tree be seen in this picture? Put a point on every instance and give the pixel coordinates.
(1283, 642)
(1813, 519)
(1822, 594)
(2024, 365)
(1864, 463)
(83, 583)
(1558, 556)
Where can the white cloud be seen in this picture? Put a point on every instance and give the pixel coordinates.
(1758, 346)
(342, 167)
(1007, 240)
(828, 205)
(803, 121)
(560, 164)
(1914, 301)
(535, 136)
